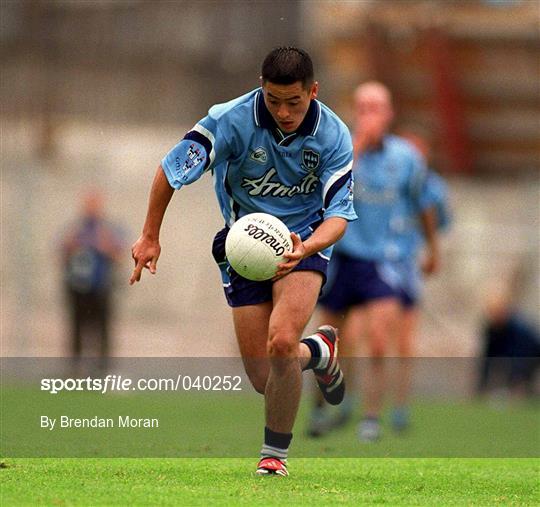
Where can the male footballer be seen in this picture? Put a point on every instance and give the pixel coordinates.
(260, 148)
(371, 264)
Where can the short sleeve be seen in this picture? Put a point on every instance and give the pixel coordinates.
(417, 190)
(337, 182)
(203, 147)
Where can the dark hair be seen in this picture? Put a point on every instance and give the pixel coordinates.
(287, 65)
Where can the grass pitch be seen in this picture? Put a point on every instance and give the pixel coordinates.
(414, 469)
(216, 426)
(204, 481)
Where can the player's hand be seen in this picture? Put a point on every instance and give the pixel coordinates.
(145, 253)
(430, 263)
(293, 257)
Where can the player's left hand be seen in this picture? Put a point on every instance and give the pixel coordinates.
(430, 263)
(294, 257)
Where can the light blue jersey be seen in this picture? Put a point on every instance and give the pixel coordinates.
(437, 196)
(389, 189)
(301, 178)
(407, 230)
(408, 234)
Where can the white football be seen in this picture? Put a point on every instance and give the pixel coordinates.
(255, 245)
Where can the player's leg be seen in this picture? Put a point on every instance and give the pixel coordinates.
(381, 320)
(76, 316)
(251, 304)
(332, 307)
(409, 316)
(406, 330)
(251, 327)
(294, 296)
(408, 324)
(352, 329)
(320, 421)
(103, 322)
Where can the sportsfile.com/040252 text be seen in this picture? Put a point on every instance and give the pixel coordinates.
(119, 383)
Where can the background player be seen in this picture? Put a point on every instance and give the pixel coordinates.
(276, 150)
(363, 294)
(410, 270)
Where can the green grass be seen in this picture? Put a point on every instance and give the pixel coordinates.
(457, 453)
(434, 481)
(208, 426)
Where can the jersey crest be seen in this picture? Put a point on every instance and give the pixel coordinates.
(310, 159)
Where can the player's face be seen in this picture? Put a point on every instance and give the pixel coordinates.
(373, 114)
(288, 104)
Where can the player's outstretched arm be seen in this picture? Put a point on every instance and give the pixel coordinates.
(146, 249)
(330, 231)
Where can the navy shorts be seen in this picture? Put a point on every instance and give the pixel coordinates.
(405, 275)
(240, 291)
(407, 300)
(354, 282)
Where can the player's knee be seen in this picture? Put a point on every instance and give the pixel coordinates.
(379, 337)
(377, 349)
(282, 344)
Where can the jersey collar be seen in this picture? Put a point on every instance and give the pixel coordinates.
(264, 119)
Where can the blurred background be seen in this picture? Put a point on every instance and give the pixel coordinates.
(94, 93)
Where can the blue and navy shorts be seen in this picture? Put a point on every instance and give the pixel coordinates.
(406, 277)
(240, 291)
(354, 282)
(408, 300)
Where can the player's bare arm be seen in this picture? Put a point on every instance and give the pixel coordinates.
(431, 262)
(146, 249)
(330, 231)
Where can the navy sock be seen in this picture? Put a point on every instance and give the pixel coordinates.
(320, 352)
(276, 445)
(315, 353)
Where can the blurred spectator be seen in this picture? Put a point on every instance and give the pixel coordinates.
(511, 348)
(90, 250)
